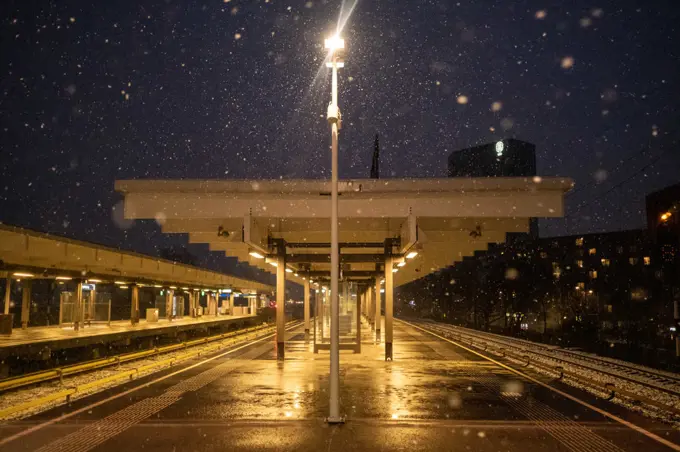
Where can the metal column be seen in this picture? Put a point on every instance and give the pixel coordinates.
(359, 296)
(26, 303)
(8, 289)
(78, 308)
(369, 307)
(168, 303)
(377, 320)
(280, 306)
(134, 304)
(389, 278)
(306, 308)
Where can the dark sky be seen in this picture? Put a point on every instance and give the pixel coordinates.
(104, 90)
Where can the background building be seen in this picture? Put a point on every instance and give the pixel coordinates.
(504, 158)
(612, 293)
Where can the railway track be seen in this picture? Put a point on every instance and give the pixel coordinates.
(637, 383)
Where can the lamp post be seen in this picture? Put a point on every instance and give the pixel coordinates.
(335, 45)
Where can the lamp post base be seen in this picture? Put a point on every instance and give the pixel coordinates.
(335, 420)
(388, 351)
(280, 350)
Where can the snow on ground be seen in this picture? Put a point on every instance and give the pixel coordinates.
(640, 381)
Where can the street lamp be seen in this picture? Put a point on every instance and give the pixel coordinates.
(336, 46)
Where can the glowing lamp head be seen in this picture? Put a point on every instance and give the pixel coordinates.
(256, 255)
(335, 43)
(665, 216)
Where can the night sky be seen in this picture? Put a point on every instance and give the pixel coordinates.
(98, 91)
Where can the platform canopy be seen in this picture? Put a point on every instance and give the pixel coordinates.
(423, 224)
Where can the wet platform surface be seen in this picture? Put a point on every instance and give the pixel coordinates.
(435, 395)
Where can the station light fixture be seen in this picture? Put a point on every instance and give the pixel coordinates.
(296, 274)
(273, 264)
(120, 283)
(394, 270)
(666, 216)
(256, 255)
(185, 288)
(411, 254)
(23, 275)
(401, 264)
(334, 43)
(173, 287)
(96, 281)
(123, 287)
(63, 278)
(288, 270)
(157, 286)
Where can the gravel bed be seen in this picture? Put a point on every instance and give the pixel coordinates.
(602, 371)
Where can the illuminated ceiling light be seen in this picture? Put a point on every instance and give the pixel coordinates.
(157, 286)
(296, 274)
(173, 287)
(123, 287)
(394, 270)
(120, 282)
(256, 255)
(63, 278)
(401, 264)
(185, 288)
(23, 275)
(273, 264)
(288, 270)
(412, 254)
(94, 280)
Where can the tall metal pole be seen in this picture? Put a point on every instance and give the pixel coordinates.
(334, 415)
(280, 306)
(306, 309)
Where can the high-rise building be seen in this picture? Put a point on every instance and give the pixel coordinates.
(504, 158)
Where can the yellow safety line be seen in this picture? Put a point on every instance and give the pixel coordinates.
(144, 385)
(611, 416)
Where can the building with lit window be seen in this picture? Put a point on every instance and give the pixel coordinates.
(504, 158)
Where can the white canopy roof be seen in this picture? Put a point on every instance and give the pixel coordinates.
(442, 220)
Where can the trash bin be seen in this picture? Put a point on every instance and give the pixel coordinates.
(152, 315)
(6, 324)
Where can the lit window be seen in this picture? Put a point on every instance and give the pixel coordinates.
(579, 241)
(608, 307)
(633, 260)
(544, 255)
(579, 263)
(593, 274)
(592, 251)
(581, 285)
(605, 262)
(648, 260)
